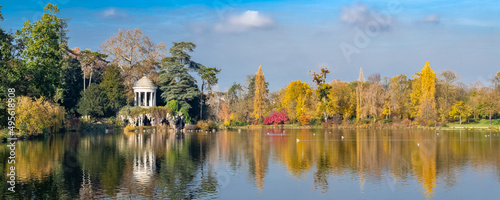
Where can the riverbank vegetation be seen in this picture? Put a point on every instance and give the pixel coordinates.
(57, 85)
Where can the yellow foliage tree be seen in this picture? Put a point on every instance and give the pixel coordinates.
(423, 96)
(460, 110)
(33, 117)
(297, 100)
(260, 95)
(340, 99)
(427, 108)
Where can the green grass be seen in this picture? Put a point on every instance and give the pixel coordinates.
(481, 123)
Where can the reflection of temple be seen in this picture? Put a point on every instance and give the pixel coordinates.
(144, 167)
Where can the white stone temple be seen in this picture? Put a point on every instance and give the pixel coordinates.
(145, 93)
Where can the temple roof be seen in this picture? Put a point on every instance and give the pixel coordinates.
(144, 82)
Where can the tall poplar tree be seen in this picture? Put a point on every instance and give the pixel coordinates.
(260, 94)
(426, 82)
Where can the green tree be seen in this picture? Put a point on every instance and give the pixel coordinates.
(173, 105)
(209, 78)
(45, 41)
(71, 78)
(460, 110)
(93, 102)
(175, 80)
(112, 86)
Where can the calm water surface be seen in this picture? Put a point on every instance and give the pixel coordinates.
(300, 164)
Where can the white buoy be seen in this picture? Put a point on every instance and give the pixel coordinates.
(314, 133)
(268, 133)
(297, 139)
(418, 144)
(342, 137)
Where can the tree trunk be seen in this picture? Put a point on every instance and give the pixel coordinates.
(460, 117)
(84, 80)
(90, 78)
(201, 101)
(490, 118)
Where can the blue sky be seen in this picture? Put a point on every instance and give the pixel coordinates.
(289, 38)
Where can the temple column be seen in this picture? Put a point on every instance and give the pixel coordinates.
(150, 99)
(154, 98)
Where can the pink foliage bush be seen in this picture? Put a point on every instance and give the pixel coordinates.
(276, 118)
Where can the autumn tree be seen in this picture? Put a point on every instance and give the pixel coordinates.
(297, 99)
(423, 97)
(489, 104)
(399, 90)
(460, 110)
(91, 62)
(446, 92)
(373, 98)
(322, 90)
(340, 102)
(359, 95)
(260, 95)
(136, 55)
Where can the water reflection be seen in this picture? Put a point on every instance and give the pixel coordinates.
(157, 164)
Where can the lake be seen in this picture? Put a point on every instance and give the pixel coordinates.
(263, 163)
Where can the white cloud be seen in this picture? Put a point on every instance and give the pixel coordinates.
(113, 13)
(249, 20)
(359, 15)
(432, 19)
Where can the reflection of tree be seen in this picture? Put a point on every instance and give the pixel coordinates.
(180, 173)
(260, 158)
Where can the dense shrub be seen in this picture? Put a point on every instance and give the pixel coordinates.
(34, 117)
(276, 118)
(206, 125)
(305, 119)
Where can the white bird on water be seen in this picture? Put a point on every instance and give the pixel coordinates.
(298, 140)
(342, 137)
(437, 133)
(418, 144)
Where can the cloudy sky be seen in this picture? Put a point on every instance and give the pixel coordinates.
(289, 38)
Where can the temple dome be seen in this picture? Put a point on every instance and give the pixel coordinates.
(144, 82)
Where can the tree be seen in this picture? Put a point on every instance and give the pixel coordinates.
(260, 94)
(340, 96)
(423, 97)
(373, 99)
(399, 90)
(45, 41)
(446, 92)
(460, 110)
(489, 102)
(322, 90)
(93, 102)
(175, 80)
(297, 99)
(136, 56)
(90, 61)
(276, 118)
(359, 95)
(112, 86)
(71, 78)
(209, 78)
